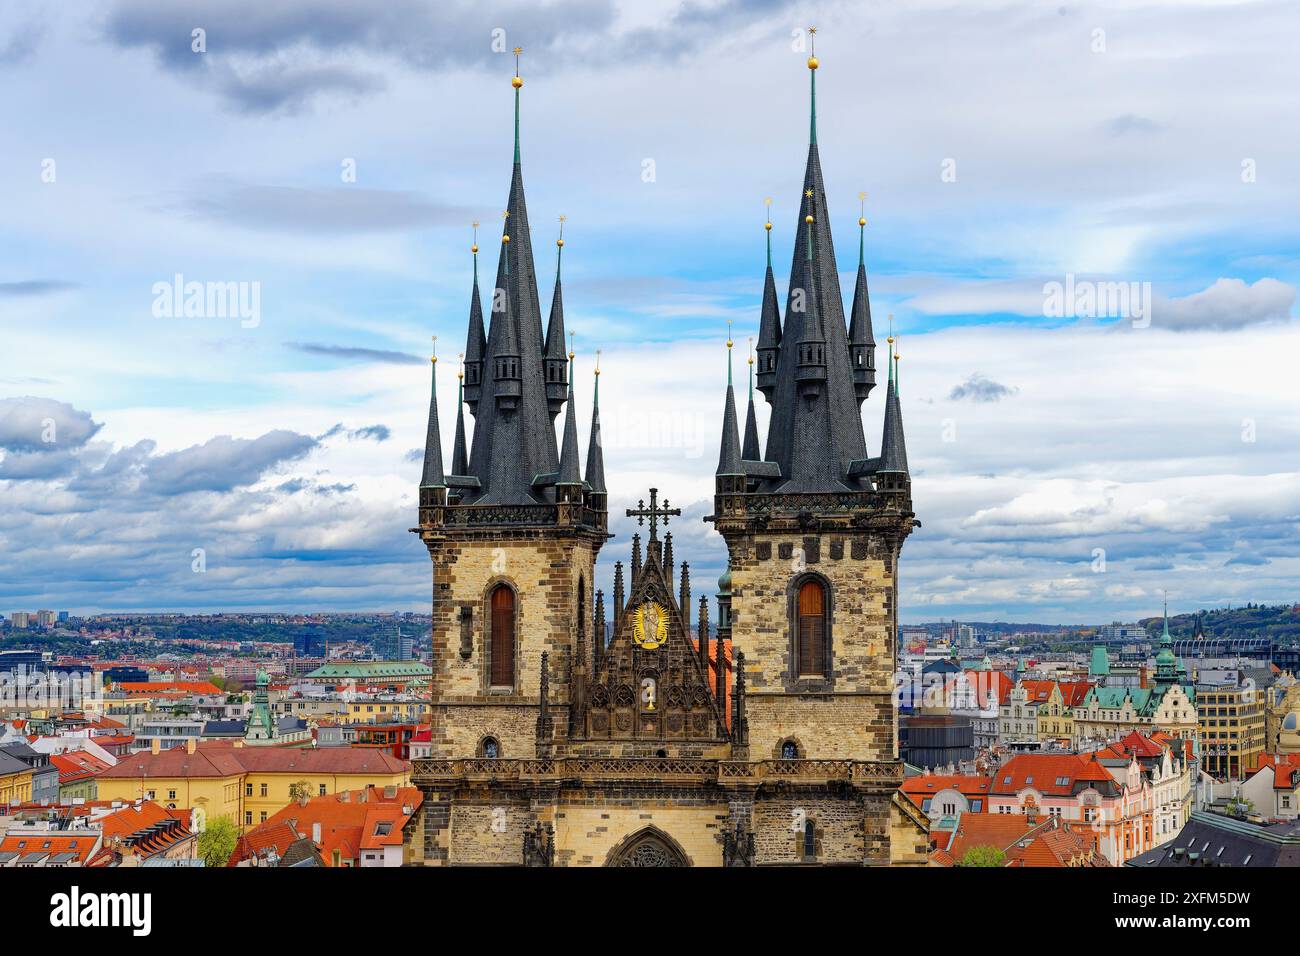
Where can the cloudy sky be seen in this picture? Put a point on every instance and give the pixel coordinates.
(1069, 463)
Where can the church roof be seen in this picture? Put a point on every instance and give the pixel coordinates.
(513, 446)
(814, 441)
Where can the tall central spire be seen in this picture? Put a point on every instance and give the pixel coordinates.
(514, 437)
(815, 432)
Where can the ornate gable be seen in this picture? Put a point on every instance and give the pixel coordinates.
(651, 684)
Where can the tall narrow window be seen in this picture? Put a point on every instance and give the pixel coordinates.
(809, 840)
(503, 637)
(811, 633)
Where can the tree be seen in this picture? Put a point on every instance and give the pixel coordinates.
(299, 792)
(1240, 806)
(983, 856)
(217, 841)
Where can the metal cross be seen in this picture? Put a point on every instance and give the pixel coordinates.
(654, 513)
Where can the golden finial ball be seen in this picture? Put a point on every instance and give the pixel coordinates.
(517, 82)
(560, 243)
(505, 239)
(812, 63)
(474, 248)
(890, 339)
(767, 226)
(808, 219)
(862, 222)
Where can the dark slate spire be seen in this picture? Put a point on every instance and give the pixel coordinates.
(769, 327)
(514, 434)
(862, 341)
(476, 341)
(893, 450)
(433, 476)
(814, 438)
(751, 451)
(555, 364)
(729, 454)
(570, 472)
(459, 456)
(595, 454)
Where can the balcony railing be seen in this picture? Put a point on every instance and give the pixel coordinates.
(888, 773)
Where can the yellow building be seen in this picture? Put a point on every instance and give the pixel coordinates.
(1232, 729)
(15, 780)
(247, 784)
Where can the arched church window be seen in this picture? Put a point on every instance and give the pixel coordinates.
(809, 840)
(789, 750)
(491, 749)
(502, 642)
(810, 632)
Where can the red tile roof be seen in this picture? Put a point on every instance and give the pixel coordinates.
(1073, 692)
(77, 765)
(82, 844)
(1049, 774)
(225, 760)
(166, 688)
(349, 823)
(1038, 690)
(917, 789)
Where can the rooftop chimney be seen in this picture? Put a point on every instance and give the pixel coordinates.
(315, 833)
(155, 746)
(190, 744)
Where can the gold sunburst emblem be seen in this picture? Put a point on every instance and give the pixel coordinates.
(650, 625)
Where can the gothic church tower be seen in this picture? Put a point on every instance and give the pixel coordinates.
(814, 527)
(514, 528)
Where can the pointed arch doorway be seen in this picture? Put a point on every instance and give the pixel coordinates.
(648, 847)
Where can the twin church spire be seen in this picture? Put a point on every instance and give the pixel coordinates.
(813, 371)
(515, 381)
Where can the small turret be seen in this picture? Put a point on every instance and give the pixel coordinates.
(476, 341)
(506, 364)
(730, 473)
(750, 450)
(862, 341)
(597, 495)
(769, 326)
(555, 367)
(569, 486)
(811, 376)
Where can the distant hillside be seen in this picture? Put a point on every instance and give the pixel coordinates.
(1281, 622)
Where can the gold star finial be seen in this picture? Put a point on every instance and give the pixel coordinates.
(812, 48)
(560, 241)
(808, 193)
